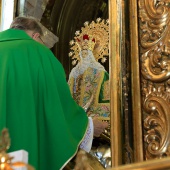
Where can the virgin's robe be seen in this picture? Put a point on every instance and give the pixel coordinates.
(92, 82)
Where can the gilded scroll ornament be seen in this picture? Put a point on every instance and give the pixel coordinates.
(155, 39)
(156, 121)
(155, 70)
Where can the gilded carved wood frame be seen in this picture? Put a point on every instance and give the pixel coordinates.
(135, 82)
(117, 40)
(154, 33)
(114, 70)
(150, 71)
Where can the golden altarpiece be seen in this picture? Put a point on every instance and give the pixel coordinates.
(148, 24)
(139, 70)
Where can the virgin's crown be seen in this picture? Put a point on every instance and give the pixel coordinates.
(86, 42)
(93, 36)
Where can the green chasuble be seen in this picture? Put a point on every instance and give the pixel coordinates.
(35, 103)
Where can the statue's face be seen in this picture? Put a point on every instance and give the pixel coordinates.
(85, 45)
(84, 53)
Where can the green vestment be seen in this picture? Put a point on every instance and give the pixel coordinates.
(35, 102)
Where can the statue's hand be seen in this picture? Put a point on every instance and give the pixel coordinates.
(99, 126)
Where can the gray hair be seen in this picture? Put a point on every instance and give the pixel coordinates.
(26, 23)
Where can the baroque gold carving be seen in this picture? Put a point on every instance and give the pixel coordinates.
(156, 105)
(154, 25)
(155, 39)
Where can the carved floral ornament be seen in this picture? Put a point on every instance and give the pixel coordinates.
(154, 22)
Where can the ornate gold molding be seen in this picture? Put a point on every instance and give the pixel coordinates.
(114, 70)
(155, 74)
(135, 81)
(155, 36)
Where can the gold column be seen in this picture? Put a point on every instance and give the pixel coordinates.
(136, 95)
(115, 94)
